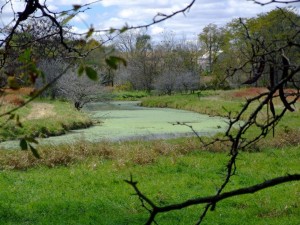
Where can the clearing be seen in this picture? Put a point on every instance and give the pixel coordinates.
(41, 110)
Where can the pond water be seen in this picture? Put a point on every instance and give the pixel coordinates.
(127, 120)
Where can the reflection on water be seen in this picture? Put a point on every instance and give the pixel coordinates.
(127, 120)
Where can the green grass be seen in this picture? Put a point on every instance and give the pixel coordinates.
(209, 103)
(66, 118)
(93, 191)
(130, 95)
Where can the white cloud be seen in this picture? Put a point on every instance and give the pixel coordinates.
(115, 13)
(141, 3)
(127, 13)
(156, 30)
(112, 22)
(203, 12)
(70, 2)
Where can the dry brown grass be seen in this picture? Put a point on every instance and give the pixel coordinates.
(15, 96)
(248, 92)
(287, 137)
(254, 91)
(140, 153)
(13, 99)
(52, 156)
(21, 91)
(127, 153)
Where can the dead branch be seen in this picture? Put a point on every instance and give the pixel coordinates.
(211, 200)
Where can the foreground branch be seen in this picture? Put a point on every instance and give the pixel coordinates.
(211, 199)
(275, 1)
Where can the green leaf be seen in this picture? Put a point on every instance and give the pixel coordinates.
(25, 56)
(90, 32)
(91, 73)
(76, 7)
(23, 144)
(34, 152)
(12, 82)
(113, 62)
(80, 70)
(121, 60)
(123, 29)
(67, 19)
(112, 30)
(63, 13)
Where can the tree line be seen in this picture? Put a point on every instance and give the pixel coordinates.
(216, 60)
(134, 61)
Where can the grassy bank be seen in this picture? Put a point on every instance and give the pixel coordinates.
(93, 191)
(129, 95)
(220, 103)
(209, 102)
(42, 118)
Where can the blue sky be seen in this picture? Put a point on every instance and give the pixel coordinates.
(115, 13)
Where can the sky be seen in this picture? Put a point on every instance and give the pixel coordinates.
(116, 13)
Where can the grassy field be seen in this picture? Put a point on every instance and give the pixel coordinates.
(93, 191)
(84, 183)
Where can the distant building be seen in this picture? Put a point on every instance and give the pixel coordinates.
(204, 60)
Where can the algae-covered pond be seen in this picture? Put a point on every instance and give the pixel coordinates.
(127, 120)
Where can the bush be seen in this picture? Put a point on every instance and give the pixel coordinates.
(124, 87)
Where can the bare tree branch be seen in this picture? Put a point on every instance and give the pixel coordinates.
(274, 1)
(212, 200)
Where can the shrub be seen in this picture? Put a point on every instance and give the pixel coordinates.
(124, 87)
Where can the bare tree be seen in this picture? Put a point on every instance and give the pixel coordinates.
(142, 60)
(166, 83)
(51, 68)
(80, 89)
(188, 81)
(178, 69)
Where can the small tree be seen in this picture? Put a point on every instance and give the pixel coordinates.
(166, 83)
(80, 89)
(142, 60)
